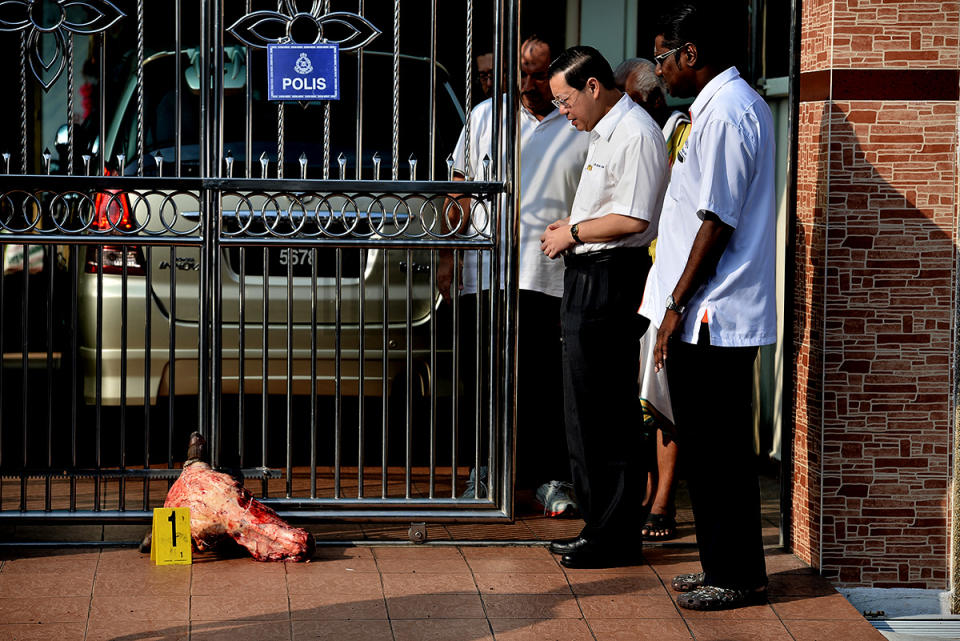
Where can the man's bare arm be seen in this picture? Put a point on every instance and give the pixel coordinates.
(708, 247)
(557, 238)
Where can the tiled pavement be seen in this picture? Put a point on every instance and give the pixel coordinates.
(446, 592)
(397, 593)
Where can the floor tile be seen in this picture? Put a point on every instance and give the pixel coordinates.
(507, 564)
(354, 583)
(240, 631)
(323, 605)
(342, 631)
(112, 630)
(214, 583)
(422, 566)
(541, 629)
(44, 609)
(158, 581)
(437, 606)
(68, 563)
(720, 630)
(442, 630)
(531, 606)
(404, 584)
(140, 608)
(48, 584)
(336, 560)
(509, 583)
(627, 606)
(587, 583)
(634, 629)
(42, 631)
(416, 553)
(833, 630)
(476, 552)
(799, 585)
(832, 606)
(749, 613)
(124, 560)
(267, 606)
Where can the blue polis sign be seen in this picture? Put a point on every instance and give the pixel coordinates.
(303, 72)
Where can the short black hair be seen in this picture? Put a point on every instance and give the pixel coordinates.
(579, 64)
(544, 38)
(705, 24)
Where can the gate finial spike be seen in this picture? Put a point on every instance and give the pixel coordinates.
(6, 161)
(158, 158)
(450, 167)
(228, 158)
(376, 165)
(121, 163)
(413, 166)
(86, 163)
(486, 166)
(46, 160)
(303, 165)
(342, 161)
(264, 162)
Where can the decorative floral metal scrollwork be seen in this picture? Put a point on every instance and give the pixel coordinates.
(85, 17)
(261, 28)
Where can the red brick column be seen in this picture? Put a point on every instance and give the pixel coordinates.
(875, 290)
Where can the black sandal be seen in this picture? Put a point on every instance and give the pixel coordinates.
(711, 597)
(687, 582)
(659, 522)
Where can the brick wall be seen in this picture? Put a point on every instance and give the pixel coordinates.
(875, 287)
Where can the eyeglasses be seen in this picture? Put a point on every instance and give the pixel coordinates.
(660, 59)
(562, 102)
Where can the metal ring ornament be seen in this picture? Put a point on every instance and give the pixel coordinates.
(169, 198)
(73, 212)
(28, 197)
(243, 228)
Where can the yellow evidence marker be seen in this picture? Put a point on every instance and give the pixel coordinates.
(171, 543)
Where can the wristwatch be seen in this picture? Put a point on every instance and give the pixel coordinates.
(575, 232)
(672, 305)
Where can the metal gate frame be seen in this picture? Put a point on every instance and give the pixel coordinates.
(40, 195)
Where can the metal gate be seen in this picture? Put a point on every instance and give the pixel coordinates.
(182, 254)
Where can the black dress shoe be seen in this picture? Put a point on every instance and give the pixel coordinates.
(601, 555)
(565, 546)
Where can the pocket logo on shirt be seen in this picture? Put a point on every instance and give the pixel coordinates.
(597, 165)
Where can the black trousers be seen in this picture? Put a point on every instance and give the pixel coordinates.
(711, 391)
(541, 446)
(601, 353)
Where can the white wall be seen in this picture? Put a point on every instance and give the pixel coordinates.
(610, 26)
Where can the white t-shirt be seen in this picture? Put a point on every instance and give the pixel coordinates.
(552, 154)
(625, 173)
(726, 167)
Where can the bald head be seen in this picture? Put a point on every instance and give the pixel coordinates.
(637, 78)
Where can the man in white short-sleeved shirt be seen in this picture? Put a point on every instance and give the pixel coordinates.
(712, 293)
(604, 244)
(551, 156)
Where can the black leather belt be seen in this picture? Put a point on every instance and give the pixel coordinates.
(606, 255)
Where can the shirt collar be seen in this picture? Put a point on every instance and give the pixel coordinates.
(710, 90)
(554, 113)
(606, 125)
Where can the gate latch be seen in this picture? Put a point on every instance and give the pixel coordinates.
(417, 532)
